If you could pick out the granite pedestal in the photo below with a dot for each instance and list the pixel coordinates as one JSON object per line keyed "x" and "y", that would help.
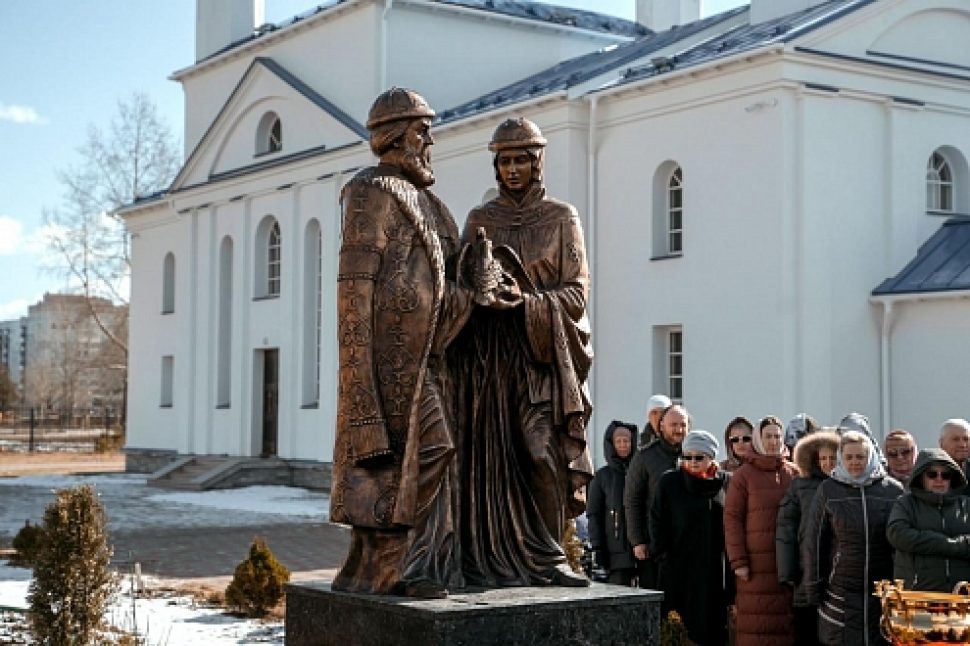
{"x": 599, "y": 614}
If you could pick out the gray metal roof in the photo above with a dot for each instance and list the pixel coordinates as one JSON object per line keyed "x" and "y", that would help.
{"x": 583, "y": 68}
{"x": 540, "y": 11}
{"x": 555, "y": 14}
{"x": 941, "y": 264}
{"x": 746, "y": 37}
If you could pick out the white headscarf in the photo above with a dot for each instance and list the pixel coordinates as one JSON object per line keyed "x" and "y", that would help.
{"x": 758, "y": 444}
{"x": 873, "y": 471}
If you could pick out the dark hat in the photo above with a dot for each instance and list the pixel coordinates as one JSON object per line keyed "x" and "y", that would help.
{"x": 700, "y": 441}
{"x": 395, "y": 104}
{"x": 516, "y": 133}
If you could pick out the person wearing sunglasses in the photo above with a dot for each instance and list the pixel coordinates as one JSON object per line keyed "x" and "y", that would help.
{"x": 930, "y": 526}
{"x": 900, "y": 450}
{"x": 763, "y": 605}
{"x": 687, "y": 540}
{"x": 737, "y": 442}
{"x": 815, "y": 456}
{"x": 845, "y": 548}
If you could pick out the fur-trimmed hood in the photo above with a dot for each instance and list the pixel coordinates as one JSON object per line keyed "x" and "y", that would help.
{"x": 806, "y": 451}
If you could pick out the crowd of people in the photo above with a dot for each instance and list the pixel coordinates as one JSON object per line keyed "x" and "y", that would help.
{"x": 781, "y": 542}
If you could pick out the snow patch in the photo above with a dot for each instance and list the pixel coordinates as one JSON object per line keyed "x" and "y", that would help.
{"x": 285, "y": 501}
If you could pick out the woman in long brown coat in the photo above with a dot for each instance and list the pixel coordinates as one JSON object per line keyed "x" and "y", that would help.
{"x": 764, "y": 606}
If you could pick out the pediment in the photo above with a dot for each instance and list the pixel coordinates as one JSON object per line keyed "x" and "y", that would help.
{"x": 237, "y": 137}
{"x": 930, "y": 34}
{"x": 935, "y": 36}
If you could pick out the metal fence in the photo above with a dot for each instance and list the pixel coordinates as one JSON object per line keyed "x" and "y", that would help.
{"x": 36, "y": 429}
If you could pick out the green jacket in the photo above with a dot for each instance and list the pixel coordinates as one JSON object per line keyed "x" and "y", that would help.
{"x": 931, "y": 531}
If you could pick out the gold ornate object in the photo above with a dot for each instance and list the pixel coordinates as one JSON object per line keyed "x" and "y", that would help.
{"x": 925, "y": 618}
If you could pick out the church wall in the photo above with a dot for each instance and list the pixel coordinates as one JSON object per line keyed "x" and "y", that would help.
{"x": 930, "y": 366}
{"x": 726, "y": 290}
{"x": 153, "y": 335}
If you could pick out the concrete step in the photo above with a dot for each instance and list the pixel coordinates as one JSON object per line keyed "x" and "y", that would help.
{"x": 190, "y": 474}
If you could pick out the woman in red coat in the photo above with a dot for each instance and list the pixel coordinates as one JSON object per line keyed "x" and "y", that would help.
{"x": 764, "y": 606}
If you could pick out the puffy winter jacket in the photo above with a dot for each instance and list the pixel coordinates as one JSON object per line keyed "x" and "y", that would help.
{"x": 931, "y": 531}
{"x": 794, "y": 507}
{"x": 604, "y": 507}
{"x": 844, "y": 552}
{"x": 764, "y": 606}
{"x": 641, "y": 483}
{"x": 687, "y": 538}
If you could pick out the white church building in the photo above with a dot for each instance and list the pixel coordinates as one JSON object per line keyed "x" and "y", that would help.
{"x": 776, "y": 201}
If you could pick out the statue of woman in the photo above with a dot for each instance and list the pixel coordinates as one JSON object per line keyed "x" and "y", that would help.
{"x": 520, "y": 366}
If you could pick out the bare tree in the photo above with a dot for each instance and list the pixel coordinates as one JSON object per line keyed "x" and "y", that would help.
{"x": 136, "y": 157}
{"x": 8, "y": 390}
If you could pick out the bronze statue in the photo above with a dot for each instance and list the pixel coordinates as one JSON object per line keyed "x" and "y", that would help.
{"x": 520, "y": 367}
{"x": 394, "y": 468}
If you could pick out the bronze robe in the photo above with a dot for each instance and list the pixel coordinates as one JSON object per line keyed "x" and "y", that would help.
{"x": 393, "y": 456}
{"x": 523, "y": 403}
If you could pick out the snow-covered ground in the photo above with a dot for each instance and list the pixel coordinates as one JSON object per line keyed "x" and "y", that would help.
{"x": 171, "y": 621}
{"x": 161, "y": 619}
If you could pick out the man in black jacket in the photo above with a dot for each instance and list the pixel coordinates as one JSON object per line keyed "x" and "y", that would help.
{"x": 641, "y": 482}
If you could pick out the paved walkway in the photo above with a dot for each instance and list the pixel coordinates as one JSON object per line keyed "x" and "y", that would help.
{"x": 198, "y": 552}
{"x": 190, "y": 535}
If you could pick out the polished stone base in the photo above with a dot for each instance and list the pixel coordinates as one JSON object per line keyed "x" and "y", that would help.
{"x": 599, "y": 614}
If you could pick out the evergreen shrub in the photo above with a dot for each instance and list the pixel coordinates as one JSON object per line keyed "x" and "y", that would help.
{"x": 72, "y": 583}
{"x": 258, "y": 582}
{"x": 26, "y": 543}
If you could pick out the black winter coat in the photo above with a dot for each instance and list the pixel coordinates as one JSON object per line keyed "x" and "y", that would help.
{"x": 604, "y": 508}
{"x": 931, "y": 531}
{"x": 793, "y": 511}
{"x": 687, "y": 540}
{"x": 848, "y": 522}
{"x": 641, "y": 482}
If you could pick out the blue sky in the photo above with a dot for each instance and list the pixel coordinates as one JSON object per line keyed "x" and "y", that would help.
{"x": 65, "y": 66}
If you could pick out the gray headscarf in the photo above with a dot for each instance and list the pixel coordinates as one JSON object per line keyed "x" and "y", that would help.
{"x": 874, "y": 469}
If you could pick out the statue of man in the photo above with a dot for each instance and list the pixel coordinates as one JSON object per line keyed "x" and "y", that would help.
{"x": 393, "y": 473}
{"x": 521, "y": 365}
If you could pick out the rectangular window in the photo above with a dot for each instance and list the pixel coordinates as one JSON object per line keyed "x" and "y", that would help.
{"x": 168, "y": 377}
{"x": 668, "y": 361}
{"x": 675, "y": 364}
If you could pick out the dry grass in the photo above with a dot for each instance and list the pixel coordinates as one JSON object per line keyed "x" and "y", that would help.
{"x": 23, "y": 464}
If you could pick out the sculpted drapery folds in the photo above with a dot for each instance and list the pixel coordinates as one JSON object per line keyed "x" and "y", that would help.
{"x": 394, "y": 470}
{"x": 521, "y": 364}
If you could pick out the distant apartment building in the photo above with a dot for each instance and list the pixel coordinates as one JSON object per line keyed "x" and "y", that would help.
{"x": 67, "y": 359}
{"x": 12, "y": 348}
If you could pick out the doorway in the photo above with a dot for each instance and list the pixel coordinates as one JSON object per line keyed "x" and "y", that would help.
{"x": 271, "y": 384}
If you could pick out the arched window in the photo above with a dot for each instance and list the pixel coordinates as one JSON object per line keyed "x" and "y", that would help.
{"x": 269, "y": 249}
{"x": 668, "y": 210}
{"x": 939, "y": 183}
{"x": 269, "y": 134}
{"x": 273, "y": 261}
{"x": 168, "y": 283}
{"x": 675, "y": 212}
